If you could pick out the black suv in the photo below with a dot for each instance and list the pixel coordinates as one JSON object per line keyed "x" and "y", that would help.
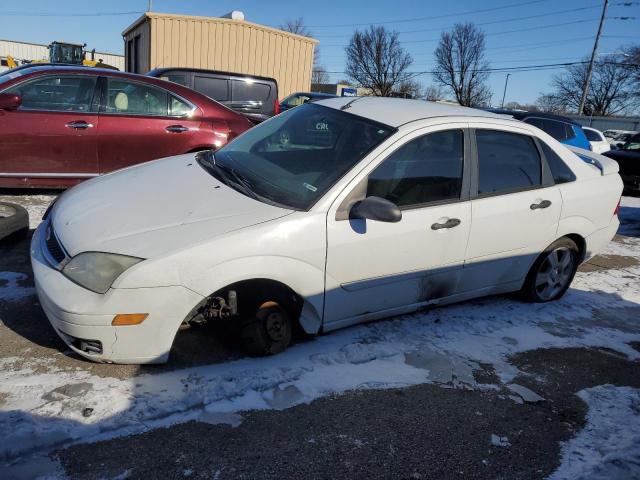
{"x": 254, "y": 97}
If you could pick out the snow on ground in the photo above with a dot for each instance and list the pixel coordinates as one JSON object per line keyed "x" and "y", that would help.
{"x": 609, "y": 445}
{"x": 46, "y": 410}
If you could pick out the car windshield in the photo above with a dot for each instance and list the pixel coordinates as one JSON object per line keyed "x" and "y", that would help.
{"x": 294, "y": 158}
{"x": 633, "y": 145}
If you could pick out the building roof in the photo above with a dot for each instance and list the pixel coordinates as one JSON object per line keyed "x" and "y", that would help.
{"x": 398, "y": 111}
{"x": 148, "y": 15}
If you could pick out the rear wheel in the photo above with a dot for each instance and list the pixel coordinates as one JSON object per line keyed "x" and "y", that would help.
{"x": 269, "y": 330}
{"x": 553, "y": 272}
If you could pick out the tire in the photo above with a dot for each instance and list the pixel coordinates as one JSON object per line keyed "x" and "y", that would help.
{"x": 553, "y": 271}
{"x": 268, "y": 331}
{"x": 13, "y": 218}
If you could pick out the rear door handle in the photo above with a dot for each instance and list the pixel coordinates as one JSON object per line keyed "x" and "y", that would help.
{"x": 542, "y": 204}
{"x": 452, "y": 222}
{"x": 79, "y": 125}
{"x": 176, "y": 129}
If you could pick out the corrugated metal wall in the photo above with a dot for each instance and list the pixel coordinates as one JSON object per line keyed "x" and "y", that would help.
{"x": 607, "y": 123}
{"x": 228, "y": 45}
{"x": 35, "y": 51}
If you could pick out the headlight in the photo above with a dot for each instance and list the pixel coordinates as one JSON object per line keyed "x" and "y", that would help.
{"x": 97, "y": 271}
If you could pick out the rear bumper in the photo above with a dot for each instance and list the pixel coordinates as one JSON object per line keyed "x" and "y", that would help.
{"x": 598, "y": 240}
{"x": 83, "y": 318}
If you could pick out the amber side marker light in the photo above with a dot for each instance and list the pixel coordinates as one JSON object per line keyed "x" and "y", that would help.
{"x": 129, "y": 319}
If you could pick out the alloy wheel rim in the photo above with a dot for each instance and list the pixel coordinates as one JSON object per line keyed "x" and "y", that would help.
{"x": 554, "y": 273}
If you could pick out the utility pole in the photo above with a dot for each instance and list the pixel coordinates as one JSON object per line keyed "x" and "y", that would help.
{"x": 150, "y": 6}
{"x": 593, "y": 57}
{"x": 506, "y": 81}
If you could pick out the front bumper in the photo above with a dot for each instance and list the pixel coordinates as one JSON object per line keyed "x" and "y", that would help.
{"x": 79, "y": 315}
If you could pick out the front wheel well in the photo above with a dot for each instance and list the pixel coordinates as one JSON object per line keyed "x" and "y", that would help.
{"x": 250, "y": 293}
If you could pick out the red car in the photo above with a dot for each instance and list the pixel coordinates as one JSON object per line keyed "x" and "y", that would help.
{"x": 62, "y": 125}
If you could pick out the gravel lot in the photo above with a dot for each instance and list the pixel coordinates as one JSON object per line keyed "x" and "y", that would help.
{"x": 492, "y": 388}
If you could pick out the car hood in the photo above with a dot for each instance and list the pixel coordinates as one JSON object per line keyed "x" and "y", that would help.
{"x": 153, "y": 209}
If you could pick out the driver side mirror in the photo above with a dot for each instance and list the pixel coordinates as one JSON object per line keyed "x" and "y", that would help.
{"x": 10, "y": 101}
{"x": 376, "y": 208}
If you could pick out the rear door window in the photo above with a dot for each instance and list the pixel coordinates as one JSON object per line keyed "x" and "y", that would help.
{"x": 213, "y": 87}
{"x": 507, "y": 162}
{"x": 248, "y": 91}
{"x": 132, "y": 98}
{"x": 71, "y": 93}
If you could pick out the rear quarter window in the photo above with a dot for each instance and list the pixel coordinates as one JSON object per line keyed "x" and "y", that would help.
{"x": 560, "y": 171}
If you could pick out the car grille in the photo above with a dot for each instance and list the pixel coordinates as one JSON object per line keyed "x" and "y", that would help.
{"x": 53, "y": 246}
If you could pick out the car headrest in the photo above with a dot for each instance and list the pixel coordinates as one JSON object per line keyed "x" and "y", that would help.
{"x": 121, "y": 101}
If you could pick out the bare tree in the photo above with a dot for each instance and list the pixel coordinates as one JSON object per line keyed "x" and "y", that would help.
{"x": 376, "y": 60}
{"x": 410, "y": 89}
{"x": 632, "y": 61}
{"x": 433, "y": 93}
{"x": 462, "y": 66}
{"x": 610, "y": 90}
{"x": 297, "y": 26}
{"x": 319, "y": 75}
{"x": 549, "y": 103}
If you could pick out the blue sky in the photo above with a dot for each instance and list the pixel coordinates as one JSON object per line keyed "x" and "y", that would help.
{"x": 555, "y": 31}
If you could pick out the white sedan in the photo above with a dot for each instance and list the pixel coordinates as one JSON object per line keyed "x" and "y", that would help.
{"x": 331, "y": 214}
{"x": 597, "y": 140}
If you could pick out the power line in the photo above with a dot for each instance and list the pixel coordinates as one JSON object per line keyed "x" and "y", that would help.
{"x": 52, "y": 14}
{"x": 522, "y": 68}
{"x": 490, "y": 34}
{"x": 480, "y": 24}
{"x": 432, "y": 17}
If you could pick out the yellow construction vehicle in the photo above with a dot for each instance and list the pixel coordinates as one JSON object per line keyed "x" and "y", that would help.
{"x": 59, "y": 53}
{"x": 8, "y": 62}
{"x": 74, "y": 54}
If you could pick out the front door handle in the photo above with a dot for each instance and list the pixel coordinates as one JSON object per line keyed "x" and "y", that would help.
{"x": 542, "y": 204}
{"x": 79, "y": 125}
{"x": 176, "y": 129}
{"x": 452, "y": 222}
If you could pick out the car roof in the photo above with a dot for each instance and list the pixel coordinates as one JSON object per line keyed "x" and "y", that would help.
{"x": 161, "y": 70}
{"x": 398, "y": 111}
{"x": 522, "y": 114}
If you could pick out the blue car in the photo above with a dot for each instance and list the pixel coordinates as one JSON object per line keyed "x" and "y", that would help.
{"x": 563, "y": 129}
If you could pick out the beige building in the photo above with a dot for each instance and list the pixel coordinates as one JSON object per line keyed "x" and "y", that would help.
{"x": 226, "y": 44}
